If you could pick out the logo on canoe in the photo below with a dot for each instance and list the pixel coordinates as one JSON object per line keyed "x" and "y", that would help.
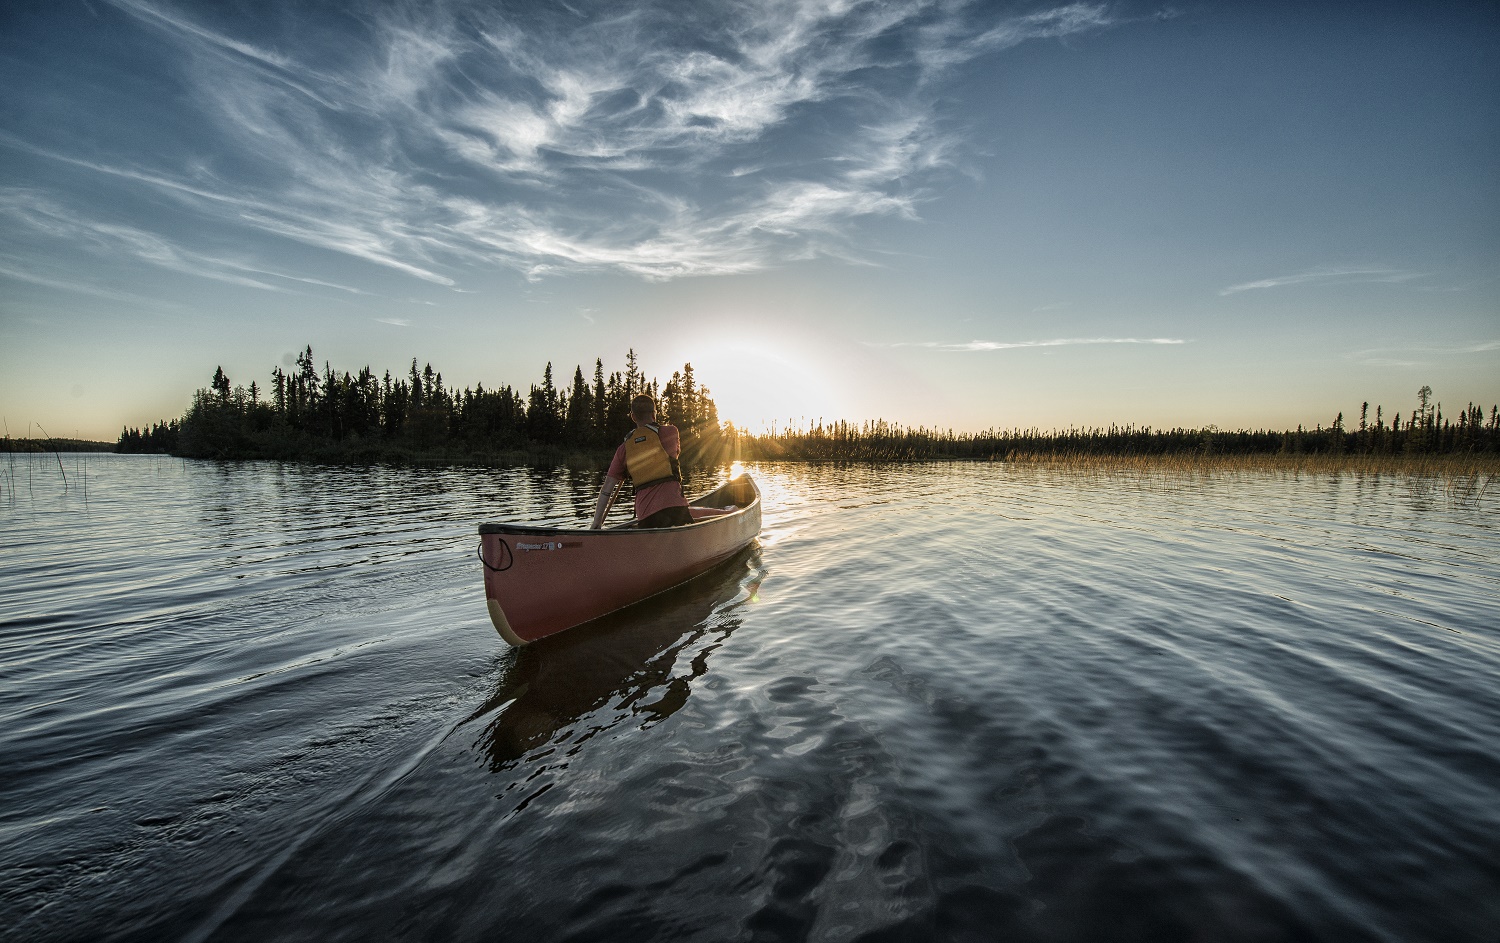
{"x": 551, "y": 545}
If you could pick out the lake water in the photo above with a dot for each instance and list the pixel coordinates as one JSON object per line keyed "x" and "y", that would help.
{"x": 257, "y": 701}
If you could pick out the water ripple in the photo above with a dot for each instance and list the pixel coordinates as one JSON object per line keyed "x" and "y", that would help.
{"x": 248, "y": 701}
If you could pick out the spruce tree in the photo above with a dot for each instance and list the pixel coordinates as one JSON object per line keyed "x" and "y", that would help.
{"x": 601, "y": 405}
{"x": 580, "y": 411}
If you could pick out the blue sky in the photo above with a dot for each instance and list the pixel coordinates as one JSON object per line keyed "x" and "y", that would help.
{"x": 958, "y": 214}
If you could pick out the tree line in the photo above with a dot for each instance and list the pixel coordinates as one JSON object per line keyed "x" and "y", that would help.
{"x": 1426, "y": 430}
{"x": 356, "y": 416}
{"x": 29, "y": 444}
{"x": 333, "y": 415}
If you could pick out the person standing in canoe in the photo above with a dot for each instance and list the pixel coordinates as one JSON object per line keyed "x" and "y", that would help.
{"x": 649, "y": 458}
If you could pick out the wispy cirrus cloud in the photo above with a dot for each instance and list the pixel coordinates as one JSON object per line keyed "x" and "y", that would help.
{"x": 272, "y": 65}
{"x": 26, "y": 272}
{"x": 24, "y": 209}
{"x": 216, "y": 199}
{"x": 946, "y": 43}
{"x": 1017, "y": 345}
{"x": 652, "y": 139}
{"x": 1326, "y": 276}
{"x": 1412, "y": 355}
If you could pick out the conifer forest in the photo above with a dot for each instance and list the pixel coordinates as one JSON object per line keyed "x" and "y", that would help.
{"x": 359, "y": 416}
{"x": 343, "y": 416}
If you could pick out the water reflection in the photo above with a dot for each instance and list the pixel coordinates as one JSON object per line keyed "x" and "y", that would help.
{"x": 635, "y": 666}
{"x": 985, "y": 699}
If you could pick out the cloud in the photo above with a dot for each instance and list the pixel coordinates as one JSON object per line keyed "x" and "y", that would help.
{"x": 1381, "y": 356}
{"x": 947, "y": 43}
{"x": 28, "y": 210}
{"x": 1015, "y": 345}
{"x": 656, "y": 140}
{"x": 211, "y": 198}
{"x": 43, "y": 218}
{"x": 309, "y": 281}
{"x": 274, "y": 66}
{"x": 1326, "y": 276}
{"x": 21, "y": 273}
{"x": 166, "y": 19}
{"x": 395, "y": 322}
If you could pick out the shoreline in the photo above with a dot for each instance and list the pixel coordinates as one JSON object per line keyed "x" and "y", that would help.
{"x": 9, "y": 445}
{"x": 1448, "y": 465}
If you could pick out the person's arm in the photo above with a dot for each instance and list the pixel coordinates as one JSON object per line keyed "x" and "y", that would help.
{"x": 606, "y": 498}
{"x": 671, "y": 441}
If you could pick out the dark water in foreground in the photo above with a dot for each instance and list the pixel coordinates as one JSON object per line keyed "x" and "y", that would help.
{"x": 253, "y": 701}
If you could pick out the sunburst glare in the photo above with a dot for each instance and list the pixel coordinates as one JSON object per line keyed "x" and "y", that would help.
{"x": 757, "y": 387}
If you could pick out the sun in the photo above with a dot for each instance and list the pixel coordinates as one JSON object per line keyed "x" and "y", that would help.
{"x": 756, "y": 386}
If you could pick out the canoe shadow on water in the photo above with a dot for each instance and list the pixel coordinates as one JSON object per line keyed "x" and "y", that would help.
{"x": 636, "y": 665}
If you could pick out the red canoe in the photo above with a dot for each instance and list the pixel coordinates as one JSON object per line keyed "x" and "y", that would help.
{"x": 541, "y": 580}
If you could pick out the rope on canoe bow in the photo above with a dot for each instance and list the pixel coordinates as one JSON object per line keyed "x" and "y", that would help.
{"x": 510, "y": 558}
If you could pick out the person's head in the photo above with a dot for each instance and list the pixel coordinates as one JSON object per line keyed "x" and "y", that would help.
{"x": 643, "y": 409}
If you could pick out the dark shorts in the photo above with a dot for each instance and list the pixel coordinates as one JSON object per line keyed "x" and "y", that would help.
{"x": 668, "y": 517}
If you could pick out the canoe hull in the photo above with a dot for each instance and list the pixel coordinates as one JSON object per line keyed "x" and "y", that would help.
{"x": 540, "y": 581}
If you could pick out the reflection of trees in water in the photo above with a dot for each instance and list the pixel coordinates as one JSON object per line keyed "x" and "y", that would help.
{"x": 636, "y": 666}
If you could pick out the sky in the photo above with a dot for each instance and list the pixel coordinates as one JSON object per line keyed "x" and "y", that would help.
{"x": 955, "y": 214}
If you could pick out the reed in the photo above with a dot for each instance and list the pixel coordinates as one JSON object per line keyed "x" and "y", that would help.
{"x": 1464, "y": 480}
{"x": 11, "y": 461}
{"x": 58, "y": 455}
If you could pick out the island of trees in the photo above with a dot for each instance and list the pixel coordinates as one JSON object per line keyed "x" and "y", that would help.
{"x": 343, "y": 416}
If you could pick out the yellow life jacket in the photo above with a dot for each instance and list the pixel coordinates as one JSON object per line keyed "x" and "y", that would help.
{"x": 646, "y": 459}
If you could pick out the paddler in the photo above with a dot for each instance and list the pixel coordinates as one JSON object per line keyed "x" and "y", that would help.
{"x": 648, "y": 457}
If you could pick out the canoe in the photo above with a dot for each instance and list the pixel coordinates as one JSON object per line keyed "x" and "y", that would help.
{"x": 539, "y": 581}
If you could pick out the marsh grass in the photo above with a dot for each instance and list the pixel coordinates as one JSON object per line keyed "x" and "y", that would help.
{"x": 1462, "y": 479}
{"x": 1449, "y": 466}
